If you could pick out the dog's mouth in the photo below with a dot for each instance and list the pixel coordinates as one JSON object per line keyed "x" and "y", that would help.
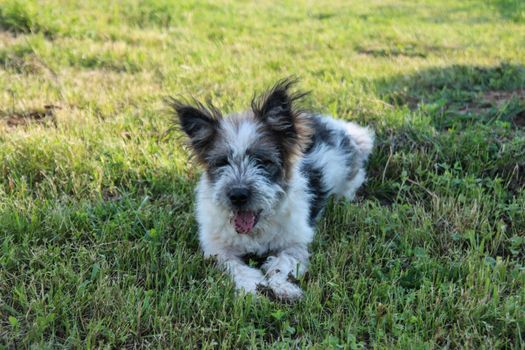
{"x": 245, "y": 220}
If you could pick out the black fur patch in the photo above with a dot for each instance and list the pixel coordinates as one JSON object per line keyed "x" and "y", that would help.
{"x": 321, "y": 134}
{"x": 319, "y": 194}
{"x": 199, "y": 122}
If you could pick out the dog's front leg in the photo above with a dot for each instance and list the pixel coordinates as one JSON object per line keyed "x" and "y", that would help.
{"x": 245, "y": 277}
{"x": 288, "y": 264}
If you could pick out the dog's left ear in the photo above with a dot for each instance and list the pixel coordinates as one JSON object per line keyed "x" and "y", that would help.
{"x": 278, "y": 110}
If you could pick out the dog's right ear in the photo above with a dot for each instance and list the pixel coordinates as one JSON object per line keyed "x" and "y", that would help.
{"x": 200, "y": 123}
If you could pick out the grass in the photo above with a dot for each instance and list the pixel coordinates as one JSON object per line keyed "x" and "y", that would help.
{"x": 98, "y": 245}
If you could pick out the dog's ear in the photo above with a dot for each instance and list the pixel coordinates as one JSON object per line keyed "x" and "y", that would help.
{"x": 200, "y": 123}
{"x": 277, "y": 109}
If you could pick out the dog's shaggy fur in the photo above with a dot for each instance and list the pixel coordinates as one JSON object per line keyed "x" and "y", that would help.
{"x": 268, "y": 174}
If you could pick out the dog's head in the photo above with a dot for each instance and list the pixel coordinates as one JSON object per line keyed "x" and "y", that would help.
{"x": 248, "y": 157}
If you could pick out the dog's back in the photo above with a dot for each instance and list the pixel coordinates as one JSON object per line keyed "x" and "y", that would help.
{"x": 333, "y": 162}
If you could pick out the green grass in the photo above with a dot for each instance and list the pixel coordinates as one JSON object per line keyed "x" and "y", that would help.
{"x": 98, "y": 245}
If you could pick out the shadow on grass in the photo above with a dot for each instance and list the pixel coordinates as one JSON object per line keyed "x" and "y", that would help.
{"x": 459, "y": 94}
{"x": 457, "y": 156}
{"x": 468, "y": 126}
{"x": 511, "y": 9}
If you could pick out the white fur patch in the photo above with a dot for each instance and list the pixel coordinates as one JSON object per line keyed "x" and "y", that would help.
{"x": 363, "y": 137}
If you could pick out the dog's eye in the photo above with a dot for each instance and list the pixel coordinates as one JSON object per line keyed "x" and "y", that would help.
{"x": 264, "y": 162}
{"x": 221, "y": 162}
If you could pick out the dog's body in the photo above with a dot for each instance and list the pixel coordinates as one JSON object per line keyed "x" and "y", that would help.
{"x": 269, "y": 172}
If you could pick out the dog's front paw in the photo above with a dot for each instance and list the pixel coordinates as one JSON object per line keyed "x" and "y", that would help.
{"x": 285, "y": 290}
{"x": 249, "y": 285}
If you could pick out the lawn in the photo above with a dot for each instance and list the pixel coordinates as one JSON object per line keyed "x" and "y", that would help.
{"x": 98, "y": 244}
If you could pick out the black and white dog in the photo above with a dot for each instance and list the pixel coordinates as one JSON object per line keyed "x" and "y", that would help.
{"x": 268, "y": 173}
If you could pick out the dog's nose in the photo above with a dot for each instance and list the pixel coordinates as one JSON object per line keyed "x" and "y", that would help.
{"x": 239, "y": 196}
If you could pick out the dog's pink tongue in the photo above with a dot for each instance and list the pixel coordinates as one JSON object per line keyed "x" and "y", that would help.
{"x": 244, "y": 221}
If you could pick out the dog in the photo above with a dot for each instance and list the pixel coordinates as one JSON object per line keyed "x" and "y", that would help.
{"x": 268, "y": 173}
